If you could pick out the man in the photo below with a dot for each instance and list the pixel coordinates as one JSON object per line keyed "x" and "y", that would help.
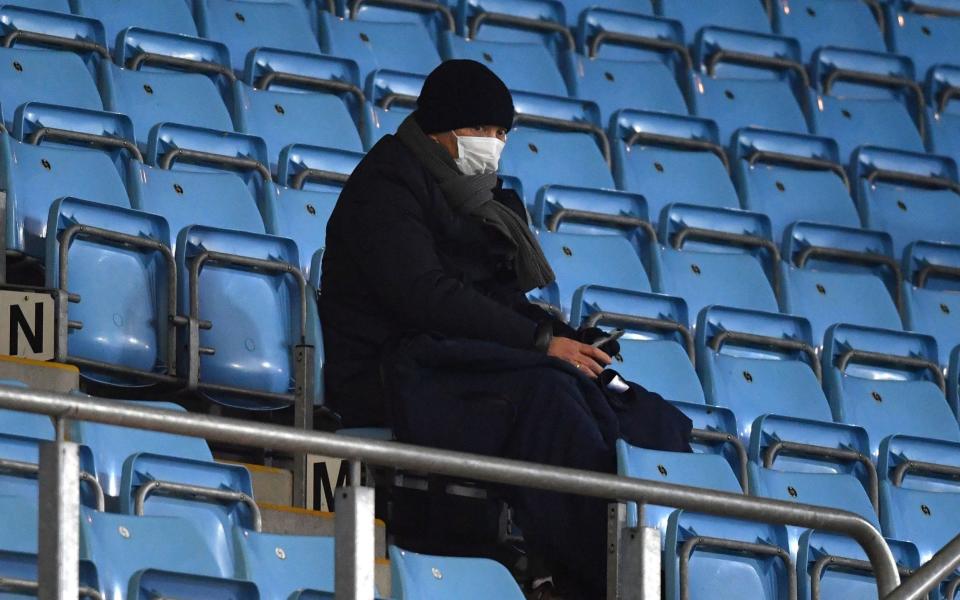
{"x": 427, "y": 327}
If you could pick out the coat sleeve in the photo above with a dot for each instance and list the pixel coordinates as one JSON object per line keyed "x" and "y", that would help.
{"x": 394, "y": 249}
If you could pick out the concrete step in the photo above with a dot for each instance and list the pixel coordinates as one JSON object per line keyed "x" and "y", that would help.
{"x": 40, "y": 375}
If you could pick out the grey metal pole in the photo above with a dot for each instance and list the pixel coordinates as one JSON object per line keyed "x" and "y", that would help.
{"x": 59, "y": 534}
{"x": 354, "y": 545}
{"x": 940, "y": 566}
{"x": 470, "y": 466}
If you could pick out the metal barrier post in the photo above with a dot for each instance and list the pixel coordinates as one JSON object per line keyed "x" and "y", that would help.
{"x": 633, "y": 558}
{"x": 354, "y": 554}
{"x": 59, "y": 535}
{"x": 302, "y": 417}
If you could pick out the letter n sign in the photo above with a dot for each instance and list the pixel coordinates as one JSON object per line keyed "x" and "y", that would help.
{"x": 27, "y": 325}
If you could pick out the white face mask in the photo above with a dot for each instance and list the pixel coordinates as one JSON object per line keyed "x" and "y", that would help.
{"x": 478, "y": 155}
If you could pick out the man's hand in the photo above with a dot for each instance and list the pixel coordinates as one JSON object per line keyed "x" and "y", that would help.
{"x": 587, "y": 359}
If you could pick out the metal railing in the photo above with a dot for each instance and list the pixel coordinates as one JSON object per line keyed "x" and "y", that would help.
{"x": 354, "y": 555}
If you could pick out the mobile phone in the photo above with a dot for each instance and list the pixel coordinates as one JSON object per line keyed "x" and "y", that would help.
{"x": 616, "y": 334}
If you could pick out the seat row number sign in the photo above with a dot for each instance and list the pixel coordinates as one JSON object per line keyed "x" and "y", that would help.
{"x": 27, "y": 327}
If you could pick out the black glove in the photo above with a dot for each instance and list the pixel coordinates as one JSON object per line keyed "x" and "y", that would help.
{"x": 588, "y": 335}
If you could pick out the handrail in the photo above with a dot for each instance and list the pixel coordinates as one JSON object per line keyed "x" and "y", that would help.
{"x": 759, "y": 60}
{"x": 54, "y": 40}
{"x": 928, "y": 181}
{"x": 799, "y": 449}
{"x": 417, "y": 5}
{"x": 927, "y": 270}
{"x": 182, "y": 490}
{"x": 106, "y": 141}
{"x": 738, "y": 239}
{"x": 766, "y": 341}
{"x": 199, "y": 156}
{"x": 681, "y": 143}
{"x": 856, "y": 257}
{"x": 927, "y": 577}
{"x": 12, "y": 584}
{"x": 720, "y": 438}
{"x": 624, "y": 320}
{"x": 642, "y": 42}
{"x": 890, "y": 81}
{"x": 522, "y": 22}
{"x": 314, "y": 83}
{"x": 878, "y": 14}
{"x": 933, "y": 11}
{"x": 469, "y": 466}
{"x": 917, "y": 466}
{"x": 196, "y": 66}
{"x": 17, "y": 467}
{"x": 792, "y": 160}
{"x": 949, "y": 93}
{"x": 828, "y": 561}
{"x": 317, "y": 175}
{"x": 891, "y": 360}
{"x": 736, "y": 546}
{"x": 589, "y": 216}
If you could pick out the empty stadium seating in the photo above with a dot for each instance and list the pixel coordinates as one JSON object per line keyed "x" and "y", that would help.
{"x": 930, "y": 293}
{"x": 816, "y": 23}
{"x": 427, "y": 577}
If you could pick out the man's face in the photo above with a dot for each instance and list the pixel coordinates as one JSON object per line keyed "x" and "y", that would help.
{"x": 448, "y": 139}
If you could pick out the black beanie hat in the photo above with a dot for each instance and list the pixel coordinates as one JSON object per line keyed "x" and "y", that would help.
{"x": 463, "y": 93}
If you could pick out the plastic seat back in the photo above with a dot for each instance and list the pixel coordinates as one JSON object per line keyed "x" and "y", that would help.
{"x": 943, "y": 111}
{"x": 151, "y": 97}
{"x": 699, "y": 265}
{"x": 36, "y": 175}
{"x": 850, "y": 102}
{"x": 51, "y": 76}
{"x": 928, "y": 39}
{"x": 32, "y": 425}
{"x": 560, "y": 153}
{"x": 523, "y": 66}
{"x": 171, "y": 16}
{"x": 791, "y": 178}
{"x": 747, "y": 15}
{"x": 391, "y": 96}
{"x": 575, "y": 259}
{"x": 142, "y": 557}
{"x": 911, "y": 196}
{"x": 283, "y": 564}
{"x": 316, "y": 169}
{"x": 669, "y": 159}
{"x": 112, "y": 445}
{"x": 886, "y": 382}
{"x": 426, "y": 577}
{"x": 816, "y": 23}
{"x": 749, "y": 92}
{"x": 302, "y": 216}
{"x": 630, "y": 74}
{"x": 575, "y": 8}
{"x": 404, "y": 47}
{"x": 243, "y": 25}
{"x": 931, "y": 293}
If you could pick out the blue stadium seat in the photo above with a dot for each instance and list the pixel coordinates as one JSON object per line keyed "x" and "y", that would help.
{"x": 316, "y": 169}
{"x": 151, "y": 97}
{"x": 791, "y": 177}
{"x": 125, "y": 333}
{"x": 111, "y": 446}
{"x": 717, "y": 256}
{"x": 657, "y": 350}
{"x": 745, "y": 79}
{"x": 538, "y": 21}
{"x": 931, "y": 289}
{"x": 302, "y": 216}
{"x": 556, "y": 141}
{"x": 760, "y": 364}
{"x": 291, "y": 98}
{"x": 953, "y": 381}
{"x": 631, "y": 61}
{"x": 142, "y": 49}
{"x": 574, "y": 258}
{"x": 171, "y": 16}
{"x": 40, "y": 28}
{"x": 252, "y": 352}
{"x": 391, "y": 96}
{"x": 427, "y": 577}
{"x": 911, "y": 196}
{"x": 436, "y": 15}
{"x": 841, "y": 568}
{"x": 575, "y": 8}
{"x": 35, "y": 174}
{"x": 919, "y": 494}
{"x": 404, "y": 47}
{"x": 34, "y": 75}
{"x": 851, "y": 24}
{"x": 929, "y": 39}
{"x": 747, "y": 15}
{"x": 856, "y": 90}
{"x": 670, "y": 158}
{"x": 943, "y": 124}
{"x": 523, "y": 66}
{"x": 887, "y": 382}
{"x": 285, "y": 566}
{"x": 760, "y": 571}
{"x": 145, "y": 557}
{"x": 32, "y": 425}
{"x": 827, "y": 272}
{"x": 246, "y": 24}
{"x": 581, "y": 210}
{"x": 51, "y": 5}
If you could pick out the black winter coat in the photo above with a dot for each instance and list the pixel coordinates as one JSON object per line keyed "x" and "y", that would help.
{"x": 399, "y": 262}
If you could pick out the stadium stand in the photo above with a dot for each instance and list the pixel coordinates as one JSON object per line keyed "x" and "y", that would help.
{"x": 763, "y": 195}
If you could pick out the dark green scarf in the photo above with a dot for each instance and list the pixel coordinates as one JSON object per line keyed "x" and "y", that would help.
{"x": 473, "y": 195}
